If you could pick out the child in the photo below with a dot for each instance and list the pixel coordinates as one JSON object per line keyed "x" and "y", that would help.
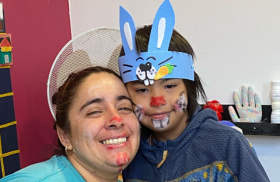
{"x": 183, "y": 142}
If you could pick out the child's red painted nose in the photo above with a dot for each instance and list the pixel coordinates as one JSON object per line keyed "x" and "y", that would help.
{"x": 157, "y": 101}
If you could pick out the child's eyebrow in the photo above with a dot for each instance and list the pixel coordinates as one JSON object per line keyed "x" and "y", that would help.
{"x": 167, "y": 79}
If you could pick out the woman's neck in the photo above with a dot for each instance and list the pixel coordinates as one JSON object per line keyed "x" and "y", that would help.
{"x": 92, "y": 176}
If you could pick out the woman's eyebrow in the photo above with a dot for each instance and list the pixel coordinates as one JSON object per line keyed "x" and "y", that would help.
{"x": 97, "y": 100}
{"x": 122, "y": 97}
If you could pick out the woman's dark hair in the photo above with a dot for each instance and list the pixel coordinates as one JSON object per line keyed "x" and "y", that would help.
{"x": 63, "y": 98}
{"x": 179, "y": 44}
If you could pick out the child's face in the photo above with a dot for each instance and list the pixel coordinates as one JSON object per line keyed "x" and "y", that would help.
{"x": 162, "y": 107}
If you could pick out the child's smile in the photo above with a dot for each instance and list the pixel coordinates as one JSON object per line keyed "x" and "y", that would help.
{"x": 160, "y": 120}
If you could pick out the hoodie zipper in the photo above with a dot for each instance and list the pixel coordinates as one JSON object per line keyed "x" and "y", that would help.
{"x": 164, "y": 157}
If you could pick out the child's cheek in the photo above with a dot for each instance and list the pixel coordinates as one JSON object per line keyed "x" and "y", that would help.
{"x": 139, "y": 112}
{"x": 181, "y": 103}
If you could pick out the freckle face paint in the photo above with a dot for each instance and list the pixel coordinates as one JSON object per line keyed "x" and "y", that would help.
{"x": 181, "y": 103}
{"x": 139, "y": 112}
{"x": 117, "y": 119}
{"x": 157, "y": 101}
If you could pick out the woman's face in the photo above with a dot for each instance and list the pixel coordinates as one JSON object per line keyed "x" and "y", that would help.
{"x": 104, "y": 132}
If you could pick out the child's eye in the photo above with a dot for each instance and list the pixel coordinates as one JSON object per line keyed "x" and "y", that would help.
{"x": 170, "y": 86}
{"x": 142, "y": 90}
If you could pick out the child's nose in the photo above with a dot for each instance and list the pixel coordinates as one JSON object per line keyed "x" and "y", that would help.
{"x": 157, "y": 101}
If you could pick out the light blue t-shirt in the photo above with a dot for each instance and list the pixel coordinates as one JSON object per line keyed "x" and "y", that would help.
{"x": 57, "y": 168}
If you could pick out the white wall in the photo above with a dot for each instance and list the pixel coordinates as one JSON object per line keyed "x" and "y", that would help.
{"x": 236, "y": 42}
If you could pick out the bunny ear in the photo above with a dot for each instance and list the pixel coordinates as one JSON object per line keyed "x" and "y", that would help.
{"x": 162, "y": 28}
{"x": 127, "y": 28}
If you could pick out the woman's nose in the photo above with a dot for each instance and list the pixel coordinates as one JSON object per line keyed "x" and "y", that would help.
{"x": 157, "y": 101}
{"x": 114, "y": 123}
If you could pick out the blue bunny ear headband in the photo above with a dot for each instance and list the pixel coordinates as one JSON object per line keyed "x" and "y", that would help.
{"x": 158, "y": 62}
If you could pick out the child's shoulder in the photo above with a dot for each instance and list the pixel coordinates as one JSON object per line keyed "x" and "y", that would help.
{"x": 213, "y": 128}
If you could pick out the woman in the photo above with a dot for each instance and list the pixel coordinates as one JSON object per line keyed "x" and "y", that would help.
{"x": 95, "y": 125}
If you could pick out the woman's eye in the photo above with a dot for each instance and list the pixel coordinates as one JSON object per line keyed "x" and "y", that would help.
{"x": 170, "y": 86}
{"x": 93, "y": 113}
{"x": 125, "y": 110}
{"x": 141, "y": 90}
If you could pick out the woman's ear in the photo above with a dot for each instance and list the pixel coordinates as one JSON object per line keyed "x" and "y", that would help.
{"x": 64, "y": 137}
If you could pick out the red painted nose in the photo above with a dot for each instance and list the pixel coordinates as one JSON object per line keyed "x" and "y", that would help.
{"x": 157, "y": 101}
{"x": 117, "y": 119}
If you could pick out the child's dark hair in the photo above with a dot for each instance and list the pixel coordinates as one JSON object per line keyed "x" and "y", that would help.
{"x": 179, "y": 44}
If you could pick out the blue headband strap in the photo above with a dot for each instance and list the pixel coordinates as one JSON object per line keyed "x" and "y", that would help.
{"x": 148, "y": 64}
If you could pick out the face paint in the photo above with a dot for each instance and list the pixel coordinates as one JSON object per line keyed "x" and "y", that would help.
{"x": 90, "y": 135}
{"x": 87, "y": 135}
{"x": 161, "y": 123}
{"x": 91, "y": 90}
{"x": 157, "y": 101}
{"x": 117, "y": 119}
{"x": 122, "y": 159}
{"x": 181, "y": 103}
{"x": 139, "y": 112}
{"x": 77, "y": 148}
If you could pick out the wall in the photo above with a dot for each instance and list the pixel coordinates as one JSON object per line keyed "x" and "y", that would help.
{"x": 39, "y": 30}
{"x": 236, "y": 42}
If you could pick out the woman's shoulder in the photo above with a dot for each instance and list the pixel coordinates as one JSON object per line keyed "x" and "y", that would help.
{"x": 55, "y": 168}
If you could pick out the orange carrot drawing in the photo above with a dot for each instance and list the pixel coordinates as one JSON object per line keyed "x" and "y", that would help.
{"x": 163, "y": 71}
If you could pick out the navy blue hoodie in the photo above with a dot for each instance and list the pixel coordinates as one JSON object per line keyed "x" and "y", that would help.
{"x": 205, "y": 151}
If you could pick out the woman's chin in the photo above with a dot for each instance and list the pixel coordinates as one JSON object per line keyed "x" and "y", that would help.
{"x": 119, "y": 160}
